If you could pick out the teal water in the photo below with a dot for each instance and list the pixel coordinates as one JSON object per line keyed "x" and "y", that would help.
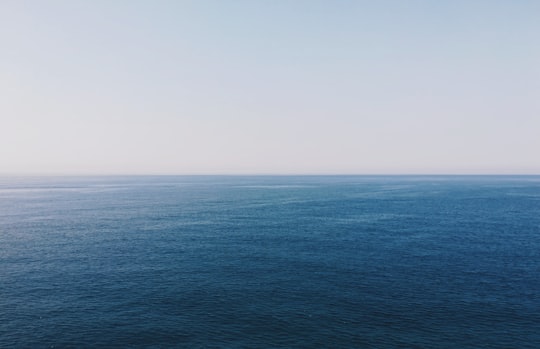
{"x": 270, "y": 262}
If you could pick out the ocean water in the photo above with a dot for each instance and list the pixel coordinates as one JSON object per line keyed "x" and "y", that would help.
{"x": 270, "y": 262}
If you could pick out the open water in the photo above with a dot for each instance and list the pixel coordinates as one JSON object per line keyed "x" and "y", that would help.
{"x": 270, "y": 262}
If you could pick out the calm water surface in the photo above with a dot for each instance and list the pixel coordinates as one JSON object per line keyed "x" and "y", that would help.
{"x": 270, "y": 262}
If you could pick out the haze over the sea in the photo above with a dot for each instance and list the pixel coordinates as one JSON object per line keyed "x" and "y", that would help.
{"x": 269, "y": 87}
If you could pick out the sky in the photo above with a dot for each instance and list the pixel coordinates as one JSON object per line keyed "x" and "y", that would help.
{"x": 269, "y": 87}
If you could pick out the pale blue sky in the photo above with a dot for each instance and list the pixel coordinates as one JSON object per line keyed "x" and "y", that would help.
{"x": 185, "y": 87}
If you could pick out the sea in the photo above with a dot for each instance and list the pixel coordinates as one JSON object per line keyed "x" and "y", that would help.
{"x": 270, "y": 262}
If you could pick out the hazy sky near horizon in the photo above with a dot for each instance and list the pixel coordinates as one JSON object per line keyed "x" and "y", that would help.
{"x": 185, "y": 87}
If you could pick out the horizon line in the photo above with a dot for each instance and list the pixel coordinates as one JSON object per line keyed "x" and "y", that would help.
{"x": 247, "y": 174}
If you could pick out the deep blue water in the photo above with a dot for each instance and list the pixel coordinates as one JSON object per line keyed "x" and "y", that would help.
{"x": 270, "y": 262}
